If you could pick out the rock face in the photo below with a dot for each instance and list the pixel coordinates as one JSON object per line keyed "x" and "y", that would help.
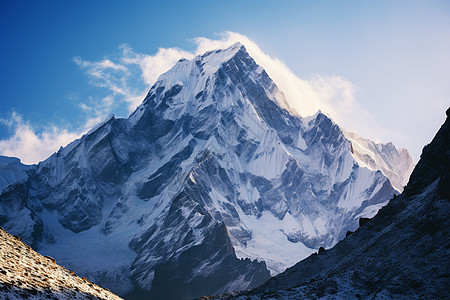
{"x": 207, "y": 186}
{"x": 402, "y": 253}
{"x": 25, "y": 274}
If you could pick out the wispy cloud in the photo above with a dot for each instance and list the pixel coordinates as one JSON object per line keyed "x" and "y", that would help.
{"x": 29, "y": 146}
{"x": 116, "y": 79}
{"x": 126, "y": 77}
{"x": 152, "y": 66}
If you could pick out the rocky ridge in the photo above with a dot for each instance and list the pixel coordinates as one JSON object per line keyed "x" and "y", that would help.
{"x": 25, "y": 274}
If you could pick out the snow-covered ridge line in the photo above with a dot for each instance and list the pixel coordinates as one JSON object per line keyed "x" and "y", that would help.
{"x": 396, "y": 164}
{"x": 12, "y": 170}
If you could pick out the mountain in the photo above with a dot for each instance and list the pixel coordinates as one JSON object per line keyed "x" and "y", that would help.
{"x": 12, "y": 171}
{"x": 207, "y": 186}
{"x": 397, "y": 165}
{"x": 25, "y": 274}
{"x": 402, "y": 253}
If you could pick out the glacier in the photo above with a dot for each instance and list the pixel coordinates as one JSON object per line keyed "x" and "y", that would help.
{"x": 208, "y": 185}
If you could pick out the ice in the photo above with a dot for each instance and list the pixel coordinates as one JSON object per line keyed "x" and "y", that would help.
{"x": 270, "y": 244}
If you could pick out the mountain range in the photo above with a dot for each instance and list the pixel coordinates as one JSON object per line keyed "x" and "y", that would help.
{"x": 209, "y": 185}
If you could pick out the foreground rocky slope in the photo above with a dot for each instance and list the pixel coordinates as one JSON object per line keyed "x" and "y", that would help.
{"x": 207, "y": 186}
{"x": 25, "y": 274}
{"x": 402, "y": 253}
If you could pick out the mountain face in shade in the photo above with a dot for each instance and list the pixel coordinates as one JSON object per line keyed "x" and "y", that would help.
{"x": 402, "y": 253}
{"x": 12, "y": 171}
{"x": 207, "y": 186}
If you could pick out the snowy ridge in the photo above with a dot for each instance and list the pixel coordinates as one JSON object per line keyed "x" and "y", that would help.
{"x": 11, "y": 171}
{"x": 397, "y": 165}
{"x": 207, "y": 186}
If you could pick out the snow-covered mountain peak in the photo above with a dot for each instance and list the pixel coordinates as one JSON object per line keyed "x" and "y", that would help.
{"x": 208, "y": 172}
{"x": 207, "y": 81}
{"x": 212, "y": 60}
{"x": 201, "y": 65}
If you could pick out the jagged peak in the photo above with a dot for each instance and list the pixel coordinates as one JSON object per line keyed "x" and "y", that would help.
{"x": 319, "y": 115}
{"x": 172, "y": 92}
{"x": 231, "y": 50}
{"x": 208, "y": 63}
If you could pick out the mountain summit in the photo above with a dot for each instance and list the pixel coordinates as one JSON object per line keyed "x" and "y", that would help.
{"x": 207, "y": 186}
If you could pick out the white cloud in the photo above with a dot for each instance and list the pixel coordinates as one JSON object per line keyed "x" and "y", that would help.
{"x": 154, "y": 65}
{"x": 128, "y": 76}
{"x": 115, "y": 78}
{"x": 29, "y": 146}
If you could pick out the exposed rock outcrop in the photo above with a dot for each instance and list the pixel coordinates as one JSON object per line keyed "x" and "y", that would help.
{"x": 25, "y": 274}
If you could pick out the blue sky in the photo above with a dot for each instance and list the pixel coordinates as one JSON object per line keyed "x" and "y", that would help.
{"x": 391, "y": 56}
